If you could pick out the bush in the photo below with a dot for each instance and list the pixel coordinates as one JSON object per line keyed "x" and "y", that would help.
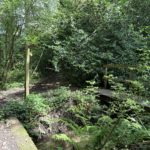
{"x": 94, "y": 34}
{"x": 58, "y": 98}
{"x": 28, "y": 111}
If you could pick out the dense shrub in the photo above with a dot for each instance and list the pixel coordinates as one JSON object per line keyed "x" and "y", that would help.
{"x": 91, "y": 36}
{"x": 28, "y": 111}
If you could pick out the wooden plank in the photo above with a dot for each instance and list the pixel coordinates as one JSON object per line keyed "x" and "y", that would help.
{"x": 143, "y": 101}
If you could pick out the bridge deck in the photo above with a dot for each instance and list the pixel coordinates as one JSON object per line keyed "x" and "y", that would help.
{"x": 13, "y": 136}
{"x": 144, "y": 101}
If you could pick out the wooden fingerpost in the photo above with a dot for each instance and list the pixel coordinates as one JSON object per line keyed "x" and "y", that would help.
{"x": 105, "y": 79}
{"x": 27, "y": 72}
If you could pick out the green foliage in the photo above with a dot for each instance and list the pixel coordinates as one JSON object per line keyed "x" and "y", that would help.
{"x": 79, "y": 43}
{"x": 117, "y": 128}
{"x": 101, "y": 135}
{"x": 28, "y": 111}
{"x": 121, "y": 126}
{"x": 95, "y": 128}
{"x": 100, "y": 40}
{"x": 22, "y": 23}
{"x": 63, "y": 137}
{"x": 138, "y": 12}
{"x": 36, "y": 104}
{"x": 94, "y": 34}
{"x": 59, "y": 97}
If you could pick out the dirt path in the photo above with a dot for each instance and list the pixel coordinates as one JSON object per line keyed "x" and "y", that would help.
{"x": 17, "y": 93}
{"x": 11, "y": 94}
{"x": 52, "y": 82}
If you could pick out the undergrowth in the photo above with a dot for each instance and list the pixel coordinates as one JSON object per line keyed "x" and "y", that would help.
{"x": 92, "y": 124}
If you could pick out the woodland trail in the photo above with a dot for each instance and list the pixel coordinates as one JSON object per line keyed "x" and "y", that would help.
{"x": 54, "y": 82}
{"x": 11, "y": 94}
{"x": 44, "y": 85}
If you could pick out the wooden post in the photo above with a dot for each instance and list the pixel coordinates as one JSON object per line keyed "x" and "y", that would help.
{"x": 105, "y": 80}
{"x": 27, "y": 74}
